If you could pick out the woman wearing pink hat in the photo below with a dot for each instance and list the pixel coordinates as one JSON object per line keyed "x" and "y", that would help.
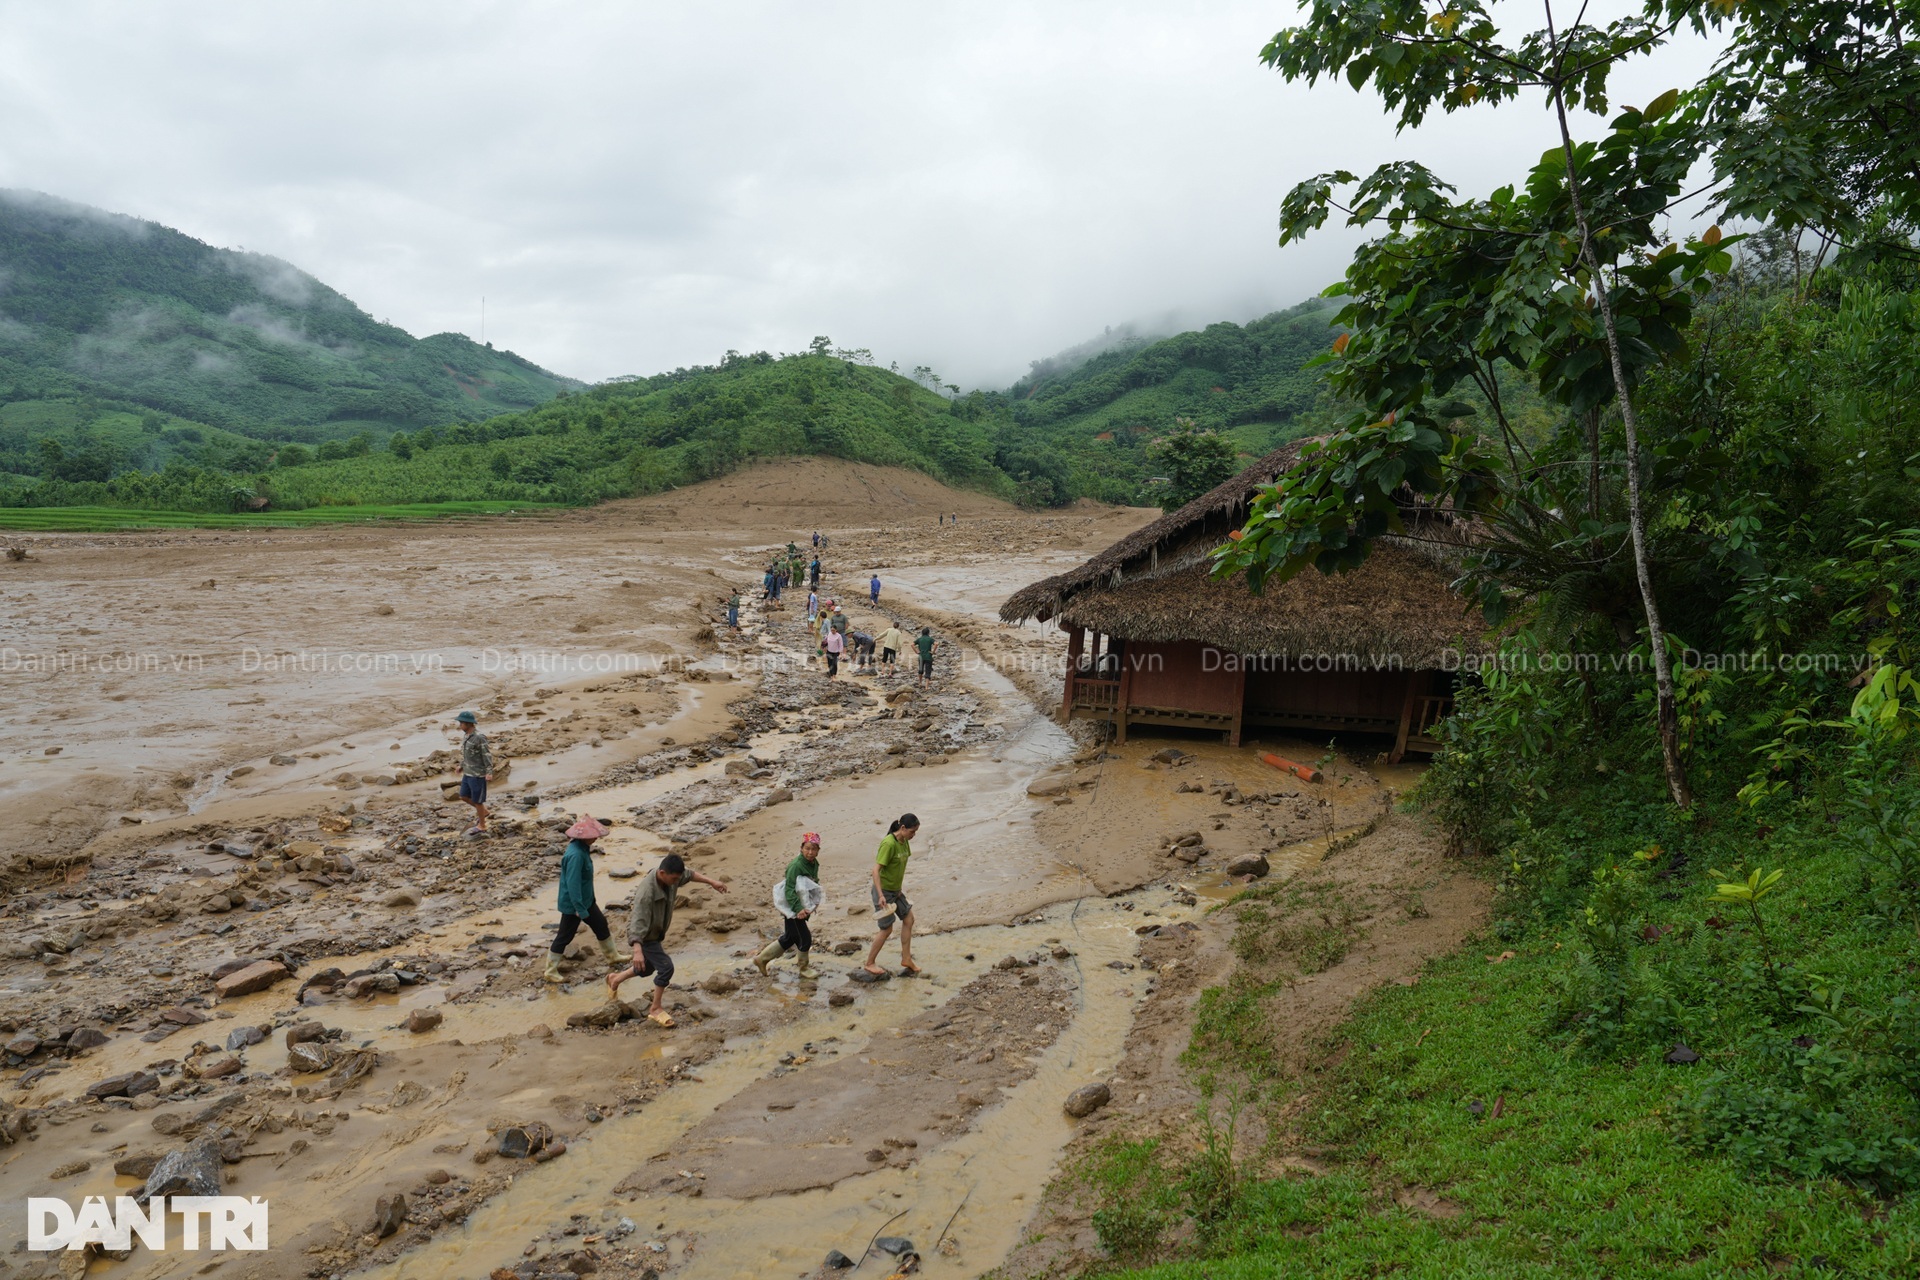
{"x": 576, "y": 898}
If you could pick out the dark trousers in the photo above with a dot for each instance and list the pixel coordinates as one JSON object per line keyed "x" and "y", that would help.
{"x": 654, "y": 960}
{"x": 833, "y": 663}
{"x": 595, "y": 920}
{"x": 798, "y": 933}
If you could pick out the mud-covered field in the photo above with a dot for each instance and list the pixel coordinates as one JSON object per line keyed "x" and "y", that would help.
{"x": 246, "y": 932}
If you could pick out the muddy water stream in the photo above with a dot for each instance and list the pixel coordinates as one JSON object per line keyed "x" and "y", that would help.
{"x": 997, "y": 1169}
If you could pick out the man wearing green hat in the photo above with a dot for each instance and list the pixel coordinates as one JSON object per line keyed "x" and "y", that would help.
{"x": 476, "y": 770}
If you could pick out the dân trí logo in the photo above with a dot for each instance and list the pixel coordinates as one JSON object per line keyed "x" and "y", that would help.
{"x": 226, "y": 1222}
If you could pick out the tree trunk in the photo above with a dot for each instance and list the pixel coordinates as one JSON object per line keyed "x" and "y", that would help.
{"x": 1669, "y": 711}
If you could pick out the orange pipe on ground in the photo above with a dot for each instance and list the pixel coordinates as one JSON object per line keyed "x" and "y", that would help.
{"x": 1306, "y": 771}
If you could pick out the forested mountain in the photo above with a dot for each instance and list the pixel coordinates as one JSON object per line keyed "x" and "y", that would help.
{"x": 142, "y": 368}
{"x": 99, "y": 307}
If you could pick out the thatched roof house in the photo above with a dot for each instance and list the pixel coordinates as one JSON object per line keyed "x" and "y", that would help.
{"x": 1362, "y": 650}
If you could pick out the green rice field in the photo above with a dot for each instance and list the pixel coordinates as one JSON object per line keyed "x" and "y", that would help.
{"x": 96, "y": 519}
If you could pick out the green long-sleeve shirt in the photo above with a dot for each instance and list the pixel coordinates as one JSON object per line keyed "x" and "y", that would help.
{"x": 790, "y": 891}
{"x": 576, "y": 879}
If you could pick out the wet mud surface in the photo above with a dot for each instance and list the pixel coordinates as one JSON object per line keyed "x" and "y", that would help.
{"x": 385, "y": 1028}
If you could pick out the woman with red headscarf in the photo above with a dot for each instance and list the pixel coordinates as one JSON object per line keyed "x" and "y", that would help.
{"x": 797, "y": 897}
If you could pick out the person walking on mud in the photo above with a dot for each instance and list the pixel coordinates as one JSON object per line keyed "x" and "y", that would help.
{"x": 891, "y": 642}
{"x": 873, "y": 591}
{"x": 797, "y": 897}
{"x": 833, "y": 644}
{"x": 813, "y": 572}
{"x": 890, "y": 905}
{"x": 577, "y": 902}
{"x": 647, "y": 922}
{"x": 733, "y": 611}
{"x": 476, "y": 770}
{"x": 924, "y": 642}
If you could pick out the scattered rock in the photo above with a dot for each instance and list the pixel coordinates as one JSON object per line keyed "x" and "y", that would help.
{"x": 370, "y": 984}
{"x": 183, "y": 1017}
{"x": 1088, "y": 1099}
{"x": 389, "y": 1215}
{"x": 554, "y": 1149}
{"x": 1007, "y": 962}
{"x": 1681, "y": 1056}
{"x": 837, "y": 1261}
{"x": 1248, "y": 864}
{"x": 283, "y": 759}
{"x": 839, "y": 999}
{"x": 720, "y": 984}
{"x": 402, "y": 898}
{"x": 302, "y": 1032}
{"x": 70, "y": 1168}
{"x": 137, "y": 1166}
{"x": 523, "y": 1140}
{"x": 779, "y": 795}
{"x": 421, "y": 1020}
{"x": 255, "y": 977}
{"x": 125, "y": 1085}
{"x": 195, "y": 1171}
{"x": 1040, "y": 788}
{"x": 86, "y": 1038}
{"x": 310, "y": 1056}
{"x": 243, "y": 1037}
{"x": 861, "y": 975}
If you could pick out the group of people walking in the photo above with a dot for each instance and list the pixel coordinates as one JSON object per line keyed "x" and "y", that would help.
{"x": 798, "y": 896}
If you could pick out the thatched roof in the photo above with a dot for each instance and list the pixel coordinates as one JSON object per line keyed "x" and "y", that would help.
{"x": 1154, "y": 585}
{"x": 1179, "y": 537}
{"x": 1395, "y": 609}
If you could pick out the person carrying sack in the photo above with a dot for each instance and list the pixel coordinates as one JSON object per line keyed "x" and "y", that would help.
{"x": 797, "y": 897}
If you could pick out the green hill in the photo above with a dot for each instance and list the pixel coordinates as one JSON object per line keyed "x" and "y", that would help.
{"x": 1248, "y": 381}
{"x": 99, "y": 307}
{"x": 141, "y": 369}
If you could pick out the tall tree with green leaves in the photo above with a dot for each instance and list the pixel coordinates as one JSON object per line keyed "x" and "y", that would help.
{"x": 1195, "y": 460}
{"x": 1566, "y": 278}
{"x": 1809, "y": 115}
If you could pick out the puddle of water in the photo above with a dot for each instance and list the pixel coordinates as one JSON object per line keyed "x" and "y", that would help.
{"x": 999, "y": 1168}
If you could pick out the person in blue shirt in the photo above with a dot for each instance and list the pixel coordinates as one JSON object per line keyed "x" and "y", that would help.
{"x": 873, "y": 588}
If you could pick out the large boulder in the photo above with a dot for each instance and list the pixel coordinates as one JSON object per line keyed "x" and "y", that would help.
{"x": 255, "y": 977}
{"x": 1088, "y": 1099}
{"x": 192, "y": 1172}
{"x": 1248, "y": 864}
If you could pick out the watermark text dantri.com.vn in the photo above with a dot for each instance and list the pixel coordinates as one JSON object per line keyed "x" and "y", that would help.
{"x": 222, "y": 1222}
{"x": 1752, "y": 662}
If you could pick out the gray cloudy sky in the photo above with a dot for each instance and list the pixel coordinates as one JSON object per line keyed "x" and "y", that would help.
{"x": 638, "y": 186}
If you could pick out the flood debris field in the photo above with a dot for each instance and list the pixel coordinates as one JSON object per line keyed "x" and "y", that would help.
{"x": 301, "y": 974}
